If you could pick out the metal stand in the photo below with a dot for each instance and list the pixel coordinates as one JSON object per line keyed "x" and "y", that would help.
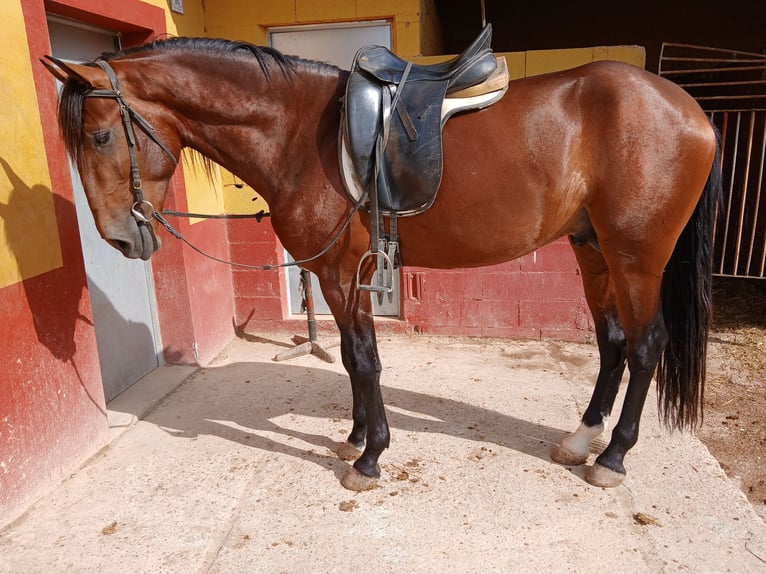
{"x": 304, "y": 346}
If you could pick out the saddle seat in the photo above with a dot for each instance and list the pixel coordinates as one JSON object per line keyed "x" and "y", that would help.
{"x": 471, "y": 67}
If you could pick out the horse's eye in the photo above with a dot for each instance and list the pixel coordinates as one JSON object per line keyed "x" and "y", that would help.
{"x": 101, "y": 138}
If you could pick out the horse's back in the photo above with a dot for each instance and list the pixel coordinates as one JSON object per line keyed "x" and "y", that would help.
{"x": 606, "y": 144}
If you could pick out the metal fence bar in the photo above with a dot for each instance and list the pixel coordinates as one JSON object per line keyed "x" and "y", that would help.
{"x": 710, "y": 49}
{"x": 728, "y": 98}
{"x": 713, "y": 84}
{"x": 756, "y": 211}
{"x": 725, "y": 233}
{"x": 706, "y": 70}
{"x": 714, "y": 60}
{"x": 743, "y": 197}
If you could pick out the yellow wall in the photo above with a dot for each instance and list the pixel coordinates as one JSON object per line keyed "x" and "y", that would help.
{"x": 534, "y": 62}
{"x": 250, "y": 21}
{"x": 29, "y": 239}
{"x": 543, "y": 61}
{"x": 430, "y": 29}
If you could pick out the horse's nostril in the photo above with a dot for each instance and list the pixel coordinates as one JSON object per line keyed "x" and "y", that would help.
{"x": 122, "y": 246}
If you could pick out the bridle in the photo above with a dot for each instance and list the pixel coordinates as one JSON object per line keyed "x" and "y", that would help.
{"x": 131, "y": 117}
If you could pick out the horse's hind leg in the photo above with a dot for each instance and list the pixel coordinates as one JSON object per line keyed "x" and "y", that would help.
{"x": 637, "y": 293}
{"x": 599, "y": 292}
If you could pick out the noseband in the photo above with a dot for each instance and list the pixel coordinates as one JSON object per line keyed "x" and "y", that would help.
{"x": 129, "y": 117}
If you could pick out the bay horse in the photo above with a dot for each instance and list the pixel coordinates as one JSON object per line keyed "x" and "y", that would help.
{"x": 621, "y": 161}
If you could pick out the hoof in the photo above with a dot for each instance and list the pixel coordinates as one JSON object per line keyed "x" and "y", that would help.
{"x": 567, "y": 457}
{"x": 358, "y": 482}
{"x": 598, "y": 475}
{"x": 574, "y": 449}
{"x": 348, "y": 452}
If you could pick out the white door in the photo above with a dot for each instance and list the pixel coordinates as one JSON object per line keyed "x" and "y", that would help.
{"x": 121, "y": 290}
{"x": 335, "y": 44}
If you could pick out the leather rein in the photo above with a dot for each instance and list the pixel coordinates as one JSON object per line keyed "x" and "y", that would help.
{"x": 130, "y": 118}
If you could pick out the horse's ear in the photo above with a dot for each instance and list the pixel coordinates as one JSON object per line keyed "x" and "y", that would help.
{"x": 88, "y": 75}
{"x": 54, "y": 70}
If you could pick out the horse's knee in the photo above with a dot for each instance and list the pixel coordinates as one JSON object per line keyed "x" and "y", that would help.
{"x": 360, "y": 358}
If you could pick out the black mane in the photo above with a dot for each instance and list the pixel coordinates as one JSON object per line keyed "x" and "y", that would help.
{"x": 262, "y": 54}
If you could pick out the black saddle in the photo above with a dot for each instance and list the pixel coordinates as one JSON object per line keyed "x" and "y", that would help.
{"x": 391, "y": 129}
{"x": 390, "y": 135}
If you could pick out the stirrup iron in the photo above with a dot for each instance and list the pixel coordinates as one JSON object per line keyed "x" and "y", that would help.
{"x": 383, "y": 277}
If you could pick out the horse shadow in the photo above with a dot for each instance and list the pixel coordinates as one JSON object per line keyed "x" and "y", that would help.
{"x": 256, "y": 403}
{"x": 38, "y": 223}
{"x": 55, "y": 310}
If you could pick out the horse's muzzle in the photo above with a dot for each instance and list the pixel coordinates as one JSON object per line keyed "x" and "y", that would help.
{"x": 141, "y": 245}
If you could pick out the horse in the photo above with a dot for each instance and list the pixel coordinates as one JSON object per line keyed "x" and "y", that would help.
{"x": 621, "y": 161}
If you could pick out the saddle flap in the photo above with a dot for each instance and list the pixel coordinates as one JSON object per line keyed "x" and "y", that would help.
{"x": 361, "y": 123}
{"x": 410, "y": 170}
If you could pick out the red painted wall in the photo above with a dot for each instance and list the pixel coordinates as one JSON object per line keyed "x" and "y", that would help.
{"x": 537, "y": 296}
{"x": 195, "y": 300}
{"x": 260, "y": 301}
{"x": 52, "y": 413}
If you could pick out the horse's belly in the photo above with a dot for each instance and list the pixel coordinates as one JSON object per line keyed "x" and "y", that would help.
{"x": 472, "y": 240}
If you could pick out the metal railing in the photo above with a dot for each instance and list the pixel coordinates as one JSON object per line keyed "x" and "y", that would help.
{"x": 731, "y": 87}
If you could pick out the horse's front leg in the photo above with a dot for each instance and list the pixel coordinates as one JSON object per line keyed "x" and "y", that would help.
{"x": 360, "y": 357}
{"x": 359, "y": 351}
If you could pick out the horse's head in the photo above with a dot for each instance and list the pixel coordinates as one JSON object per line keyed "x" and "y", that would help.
{"x": 124, "y": 151}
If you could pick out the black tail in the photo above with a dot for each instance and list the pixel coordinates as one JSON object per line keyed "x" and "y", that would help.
{"x": 686, "y": 307}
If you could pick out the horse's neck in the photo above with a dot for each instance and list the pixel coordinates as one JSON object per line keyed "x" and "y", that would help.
{"x": 260, "y": 131}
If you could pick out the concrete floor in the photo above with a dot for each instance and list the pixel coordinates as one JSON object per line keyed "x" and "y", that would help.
{"x": 234, "y": 471}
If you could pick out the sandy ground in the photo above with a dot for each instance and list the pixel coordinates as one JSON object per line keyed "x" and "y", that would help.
{"x": 234, "y": 471}
{"x": 735, "y": 391}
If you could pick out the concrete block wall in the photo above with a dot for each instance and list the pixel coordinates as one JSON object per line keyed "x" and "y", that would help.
{"x": 537, "y": 296}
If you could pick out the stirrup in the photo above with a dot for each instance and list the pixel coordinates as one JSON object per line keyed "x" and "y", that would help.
{"x": 383, "y": 278}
